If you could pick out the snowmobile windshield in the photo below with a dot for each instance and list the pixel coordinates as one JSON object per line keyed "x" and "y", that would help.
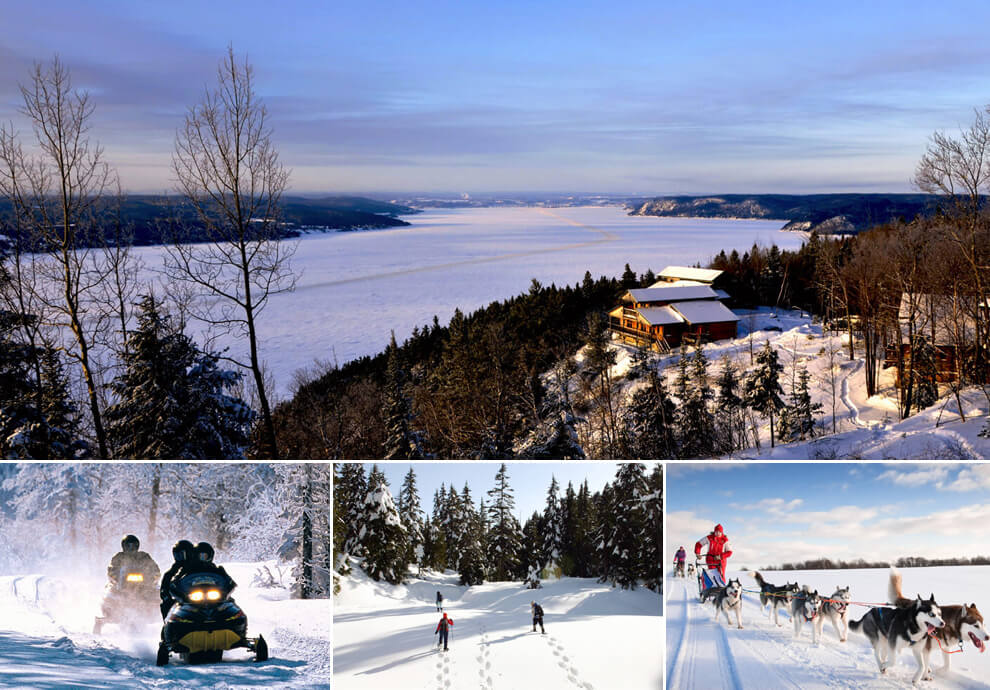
{"x": 202, "y": 589}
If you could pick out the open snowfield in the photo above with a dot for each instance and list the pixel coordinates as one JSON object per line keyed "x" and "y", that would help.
{"x": 354, "y": 287}
{"x": 597, "y": 638}
{"x": 46, "y": 640}
{"x": 705, "y": 654}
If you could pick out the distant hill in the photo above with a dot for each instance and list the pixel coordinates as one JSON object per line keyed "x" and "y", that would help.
{"x": 825, "y": 213}
{"x": 144, "y": 215}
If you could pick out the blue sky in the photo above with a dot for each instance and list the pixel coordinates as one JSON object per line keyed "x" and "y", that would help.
{"x": 630, "y": 97}
{"x": 530, "y": 481}
{"x": 779, "y": 512}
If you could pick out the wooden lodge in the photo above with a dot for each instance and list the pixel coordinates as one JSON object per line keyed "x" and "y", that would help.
{"x": 669, "y": 313}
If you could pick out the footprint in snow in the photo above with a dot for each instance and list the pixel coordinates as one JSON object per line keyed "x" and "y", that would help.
{"x": 567, "y": 658}
{"x": 556, "y": 653}
{"x": 562, "y": 664}
{"x": 488, "y": 665}
{"x": 589, "y": 686}
{"x": 440, "y": 677}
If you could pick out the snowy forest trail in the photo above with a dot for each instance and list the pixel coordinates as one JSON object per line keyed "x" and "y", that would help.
{"x": 47, "y": 641}
{"x": 703, "y": 653}
{"x": 596, "y": 637}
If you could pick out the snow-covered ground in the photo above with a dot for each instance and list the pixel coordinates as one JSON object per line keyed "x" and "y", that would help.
{"x": 704, "y": 654}
{"x": 866, "y": 427}
{"x": 354, "y": 287}
{"x": 46, "y": 640}
{"x": 597, "y": 638}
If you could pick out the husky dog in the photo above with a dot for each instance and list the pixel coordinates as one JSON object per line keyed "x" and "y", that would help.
{"x": 729, "y": 598}
{"x": 690, "y": 569}
{"x": 806, "y": 606}
{"x": 777, "y": 596}
{"x": 836, "y": 609}
{"x": 960, "y": 622}
{"x": 888, "y": 629}
{"x": 711, "y": 593}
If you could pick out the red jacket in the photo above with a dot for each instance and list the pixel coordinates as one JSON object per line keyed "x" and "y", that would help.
{"x": 443, "y": 621}
{"x": 718, "y": 549}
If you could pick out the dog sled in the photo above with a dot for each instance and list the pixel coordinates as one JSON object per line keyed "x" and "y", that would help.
{"x": 708, "y": 577}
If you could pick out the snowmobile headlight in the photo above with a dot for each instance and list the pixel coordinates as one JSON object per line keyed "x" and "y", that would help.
{"x": 213, "y": 594}
{"x": 135, "y": 577}
{"x": 196, "y": 595}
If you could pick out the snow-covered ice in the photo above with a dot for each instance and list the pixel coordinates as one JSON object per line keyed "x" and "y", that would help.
{"x": 704, "y": 654}
{"x": 46, "y": 640}
{"x": 597, "y": 637}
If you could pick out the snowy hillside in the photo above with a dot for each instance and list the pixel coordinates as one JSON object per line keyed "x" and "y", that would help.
{"x": 47, "y": 642}
{"x": 705, "y": 654}
{"x": 596, "y": 638}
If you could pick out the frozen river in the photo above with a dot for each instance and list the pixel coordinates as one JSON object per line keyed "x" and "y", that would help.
{"x": 355, "y": 287}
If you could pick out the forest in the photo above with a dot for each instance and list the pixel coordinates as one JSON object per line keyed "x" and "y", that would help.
{"x": 614, "y": 534}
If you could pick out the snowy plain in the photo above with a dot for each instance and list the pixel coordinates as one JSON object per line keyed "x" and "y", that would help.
{"x": 702, "y": 653}
{"x": 355, "y": 287}
{"x": 46, "y": 640}
{"x": 597, "y": 637}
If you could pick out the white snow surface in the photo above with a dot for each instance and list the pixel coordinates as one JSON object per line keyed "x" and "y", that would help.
{"x": 354, "y": 287}
{"x": 597, "y": 637}
{"x": 702, "y": 653}
{"x": 46, "y": 640}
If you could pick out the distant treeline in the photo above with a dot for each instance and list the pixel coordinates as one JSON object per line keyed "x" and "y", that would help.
{"x": 859, "y": 563}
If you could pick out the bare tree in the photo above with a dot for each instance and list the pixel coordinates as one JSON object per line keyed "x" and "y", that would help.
{"x": 228, "y": 168}
{"x": 59, "y": 198}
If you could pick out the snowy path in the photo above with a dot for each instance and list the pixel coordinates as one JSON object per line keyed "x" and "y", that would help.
{"x": 46, "y": 642}
{"x": 706, "y": 654}
{"x": 852, "y": 368}
{"x": 596, "y": 638}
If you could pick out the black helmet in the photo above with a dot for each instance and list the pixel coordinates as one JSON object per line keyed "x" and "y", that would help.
{"x": 129, "y": 543}
{"x": 182, "y": 550}
{"x": 204, "y": 552}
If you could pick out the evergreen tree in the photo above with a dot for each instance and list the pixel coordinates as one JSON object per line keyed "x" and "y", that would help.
{"x": 470, "y": 549}
{"x": 584, "y": 533}
{"x": 351, "y": 489}
{"x": 411, "y": 515}
{"x": 730, "y": 430}
{"x": 531, "y": 556}
{"x": 802, "y": 412}
{"x": 648, "y": 278}
{"x": 552, "y": 528}
{"x": 439, "y": 529}
{"x": 606, "y": 550}
{"x": 762, "y": 389}
{"x": 650, "y": 420}
{"x": 652, "y": 548}
{"x": 172, "y": 399}
{"x": 695, "y": 422}
{"x": 624, "y": 550}
{"x": 505, "y": 538}
{"x": 555, "y": 435}
{"x": 568, "y": 529}
{"x": 925, "y": 373}
{"x": 383, "y": 538}
{"x": 629, "y": 279}
{"x": 402, "y": 442}
{"x": 339, "y": 532}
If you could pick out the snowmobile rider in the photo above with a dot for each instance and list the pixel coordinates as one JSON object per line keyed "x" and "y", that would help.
{"x": 537, "y": 616}
{"x": 718, "y": 553}
{"x": 130, "y": 559}
{"x": 439, "y": 602}
{"x": 182, "y": 553}
{"x": 679, "y": 559}
{"x": 189, "y": 559}
{"x": 442, "y": 629}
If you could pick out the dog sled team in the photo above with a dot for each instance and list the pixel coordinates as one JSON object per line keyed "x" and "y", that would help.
{"x": 921, "y": 625}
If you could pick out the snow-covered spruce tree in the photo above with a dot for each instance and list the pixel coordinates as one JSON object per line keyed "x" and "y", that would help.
{"x": 555, "y": 436}
{"x": 584, "y": 533}
{"x": 383, "y": 538}
{"x": 606, "y": 550}
{"x": 438, "y": 556}
{"x": 304, "y": 493}
{"x": 340, "y": 567}
{"x": 568, "y": 529}
{"x": 351, "y": 489}
{"x": 630, "y": 533}
{"x": 505, "y": 537}
{"x": 172, "y": 399}
{"x": 552, "y": 528}
{"x": 530, "y": 557}
{"x": 652, "y": 549}
{"x": 452, "y": 525}
{"x": 762, "y": 388}
{"x": 412, "y": 517}
{"x": 802, "y": 411}
{"x": 695, "y": 422}
{"x": 470, "y": 545}
{"x": 730, "y": 430}
{"x": 650, "y": 420}
{"x": 925, "y": 372}
{"x": 401, "y": 441}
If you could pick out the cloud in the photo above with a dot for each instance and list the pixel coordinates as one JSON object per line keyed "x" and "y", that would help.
{"x": 772, "y": 505}
{"x": 917, "y": 475}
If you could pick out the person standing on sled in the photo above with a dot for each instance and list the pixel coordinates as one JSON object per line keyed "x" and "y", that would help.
{"x": 439, "y": 602}
{"x": 537, "y": 616}
{"x": 679, "y": 559}
{"x": 718, "y": 553}
{"x": 442, "y": 627}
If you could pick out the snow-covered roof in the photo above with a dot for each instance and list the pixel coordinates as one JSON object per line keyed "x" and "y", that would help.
{"x": 722, "y": 294}
{"x": 952, "y": 316}
{"x": 660, "y": 316}
{"x": 671, "y": 294}
{"x": 704, "y": 312}
{"x": 705, "y": 275}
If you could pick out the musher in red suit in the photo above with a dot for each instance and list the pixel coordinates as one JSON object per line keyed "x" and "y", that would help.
{"x": 717, "y": 554}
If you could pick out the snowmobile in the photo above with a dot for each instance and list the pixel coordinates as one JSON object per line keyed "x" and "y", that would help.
{"x": 205, "y": 622}
{"x": 131, "y": 602}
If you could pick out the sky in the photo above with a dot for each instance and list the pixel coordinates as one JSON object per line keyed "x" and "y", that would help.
{"x": 530, "y": 481}
{"x": 633, "y": 97}
{"x": 775, "y": 513}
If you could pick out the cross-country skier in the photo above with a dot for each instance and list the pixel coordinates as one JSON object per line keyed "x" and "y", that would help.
{"x": 537, "y": 616}
{"x": 718, "y": 553}
{"x": 439, "y": 602}
{"x": 442, "y": 627}
{"x": 679, "y": 559}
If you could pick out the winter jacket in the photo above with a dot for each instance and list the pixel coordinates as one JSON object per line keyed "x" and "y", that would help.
{"x": 718, "y": 550}
{"x": 133, "y": 561}
{"x": 537, "y": 611}
{"x": 680, "y": 556}
{"x": 442, "y": 625}
{"x": 180, "y": 570}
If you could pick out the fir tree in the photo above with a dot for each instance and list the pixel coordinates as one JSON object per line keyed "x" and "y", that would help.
{"x": 172, "y": 399}
{"x": 383, "y": 538}
{"x": 555, "y": 436}
{"x": 802, "y": 411}
{"x": 652, "y": 548}
{"x": 695, "y": 423}
{"x": 470, "y": 549}
{"x": 351, "y": 489}
{"x": 629, "y": 279}
{"x": 730, "y": 429}
{"x": 624, "y": 550}
{"x": 411, "y": 515}
{"x": 606, "y": 550}
{"x": 531, "y": 556}
{"x": 650, "y": 420}
{"x": 401, "y": 441}
{"x": 505, "y": 538}
{"x": 762, "y": 389}
{"x": 552, "y": 529}
{"x": 568, "y": 529}
{"x": 925, "y": 373}
{"x": 584, "y": 533}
